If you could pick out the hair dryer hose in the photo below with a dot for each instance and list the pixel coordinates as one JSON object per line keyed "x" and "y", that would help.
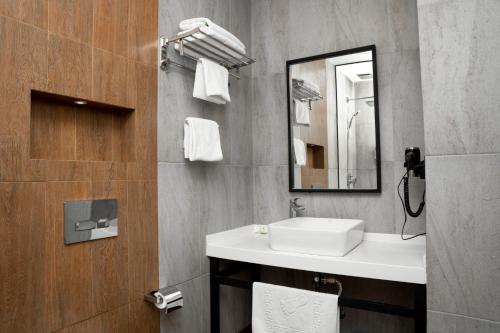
{"x": 407, "y": 200}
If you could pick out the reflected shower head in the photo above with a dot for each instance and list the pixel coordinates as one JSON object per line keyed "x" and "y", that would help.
{"x": 350, "y": 120}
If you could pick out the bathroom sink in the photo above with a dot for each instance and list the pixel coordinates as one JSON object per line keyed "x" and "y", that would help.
{"x": 312, "y": 235}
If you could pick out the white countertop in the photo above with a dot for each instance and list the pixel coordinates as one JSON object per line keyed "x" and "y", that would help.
{"x": 379, "y": 256}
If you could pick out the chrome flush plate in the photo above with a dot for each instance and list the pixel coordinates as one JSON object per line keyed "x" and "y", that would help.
{"x": 90, "y": 219}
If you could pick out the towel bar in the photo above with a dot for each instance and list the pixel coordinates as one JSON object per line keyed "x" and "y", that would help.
{"x": 319, "y": 279}
{"x": 205, "y": 47}
{"x": 220, "y": 277}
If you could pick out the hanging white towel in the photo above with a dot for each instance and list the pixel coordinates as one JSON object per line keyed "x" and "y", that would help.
{"x": 283, "y": 309}
{"x": 211, "y": 82}
{"x": 202, "y": 140}
{"x": 212, "y": 29}
{"x": 301, "y": 112}
{"x": 299, "y": 149}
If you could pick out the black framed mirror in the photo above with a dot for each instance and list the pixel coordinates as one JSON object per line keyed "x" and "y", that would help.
{"x": 333, "y": 122}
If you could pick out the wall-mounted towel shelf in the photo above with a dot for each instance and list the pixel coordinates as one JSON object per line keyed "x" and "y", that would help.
{"x": 197, "y": 43}
{"x": 304, "y": 93}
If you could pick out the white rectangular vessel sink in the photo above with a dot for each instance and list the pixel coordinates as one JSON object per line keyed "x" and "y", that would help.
{"x": 313, "y": 235}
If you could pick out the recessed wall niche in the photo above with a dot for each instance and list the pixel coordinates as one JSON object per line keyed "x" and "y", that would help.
{"x": 71, "y": 129}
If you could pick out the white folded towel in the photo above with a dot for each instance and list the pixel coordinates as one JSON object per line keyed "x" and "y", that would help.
{"x": 299, "y": 148}
{"x": 301, "y": 113}
{"x": 212, "y": 28}
{"x": 283, "y": 309}
{"x": 211, "y": 82}
{"x": 202, "y": 140}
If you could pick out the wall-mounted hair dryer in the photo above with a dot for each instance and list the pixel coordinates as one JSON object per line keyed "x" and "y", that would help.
{"x": 415, "y": 165}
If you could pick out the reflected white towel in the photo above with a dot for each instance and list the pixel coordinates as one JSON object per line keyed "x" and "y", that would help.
{"x": 202, "y": 140}
{"x": 290, "y": 310}
{"x": 211, "y": 82}
{"x": 212, "y": 28}
{"x": 301, "y": 112}
{"x": 299, "y": 149}
{"x": 313, "y": 87}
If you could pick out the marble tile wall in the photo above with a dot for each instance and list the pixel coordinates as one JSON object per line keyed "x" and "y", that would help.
{"x": 251, "y": 184}
{"x": 458, "y": 42}
{"x": 307, "y": 28}
{"x": 200, "y": 198}
{"x": 290, "y": 29}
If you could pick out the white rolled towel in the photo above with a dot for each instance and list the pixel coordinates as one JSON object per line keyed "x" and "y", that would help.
{"x": 212, "y": 28}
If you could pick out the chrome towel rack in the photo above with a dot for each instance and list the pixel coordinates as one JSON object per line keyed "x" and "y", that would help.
{"x": 197, "y": 43}
{"x": 303, "y": 93}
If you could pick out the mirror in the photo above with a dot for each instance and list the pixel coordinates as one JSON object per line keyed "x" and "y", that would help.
{"x": 333, "y": 124}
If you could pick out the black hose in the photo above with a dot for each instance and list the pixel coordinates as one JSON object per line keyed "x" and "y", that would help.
{"x": 404, "y": 211}
{"x": 407, "y": 200}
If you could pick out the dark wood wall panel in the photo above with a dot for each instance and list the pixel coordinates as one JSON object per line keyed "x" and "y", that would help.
{"x": 71, "y": 278}
{"x": 98, "y": 50}
{"x": 109, "y": 73}
{"x": 24, "y": 258}
{"x": 33, "y": 12}
{"x": 71, "y": 19}
{"x": 63, "y": 131}
{"x": 111, "y": 26}
{"x": 143, "y": 31}
{"x": 143, "y": 265}
{"x": 142, "y": 95}
{"x": 70, "y": 67}
{"x": 53, "y": 128}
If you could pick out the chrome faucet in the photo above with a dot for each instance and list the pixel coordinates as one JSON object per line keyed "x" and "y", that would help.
{"x": 351, "y": 180}
{"x": 295, "y": 207}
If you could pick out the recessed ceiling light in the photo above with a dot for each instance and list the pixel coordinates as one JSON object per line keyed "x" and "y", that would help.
{"x": 81, "y": 102}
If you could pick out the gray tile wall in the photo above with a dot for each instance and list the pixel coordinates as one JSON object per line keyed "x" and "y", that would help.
{"x": 200, "y": 198}
{"x": 289, "y": 29}
{"x": 251, "y": 184}
{"x": 459, "y": 45}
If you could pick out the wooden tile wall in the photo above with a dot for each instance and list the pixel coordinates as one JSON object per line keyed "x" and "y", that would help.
{"x": 99, "y": 50}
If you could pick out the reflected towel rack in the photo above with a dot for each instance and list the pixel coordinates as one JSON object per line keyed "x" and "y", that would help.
{"x": 199, "y": 44}
{"x": 303, "y": 93}
{"x": 347, "y": 99}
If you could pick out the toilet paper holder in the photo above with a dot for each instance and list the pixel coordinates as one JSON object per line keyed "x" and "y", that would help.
{"x": 169, "y": 299}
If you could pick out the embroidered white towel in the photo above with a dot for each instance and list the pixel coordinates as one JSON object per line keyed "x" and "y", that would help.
{"x": 301, "y": 112}
{"x": 202, "y": 140}
{"x": 290, "y": 310}
{"x": 299, "y": 149}
{"x": 211, "y": 82}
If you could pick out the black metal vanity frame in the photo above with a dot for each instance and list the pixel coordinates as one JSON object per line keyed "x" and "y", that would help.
{"x": 220, "y": 277}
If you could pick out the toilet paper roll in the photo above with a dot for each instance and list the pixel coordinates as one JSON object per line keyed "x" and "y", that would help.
{"x": 163, "y": 299}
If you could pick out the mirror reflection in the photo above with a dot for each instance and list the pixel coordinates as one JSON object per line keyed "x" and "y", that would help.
{"x": 333, "y": 114}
